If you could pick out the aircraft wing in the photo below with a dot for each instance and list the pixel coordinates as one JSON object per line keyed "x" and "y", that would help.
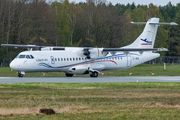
{"x": 32, "y": 46}
{"x": 23, "y": 46}
{"x": 133, "y": 49}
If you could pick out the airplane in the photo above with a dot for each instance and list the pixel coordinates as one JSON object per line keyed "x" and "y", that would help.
{"x": 89, "y": 60}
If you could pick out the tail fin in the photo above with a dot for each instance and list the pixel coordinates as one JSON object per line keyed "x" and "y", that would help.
{"x": 147, "y": 37}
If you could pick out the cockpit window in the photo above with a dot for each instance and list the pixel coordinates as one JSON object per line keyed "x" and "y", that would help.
{"x": 25, "y": 56}
{"x": 17, "y": 56}
{"x": 32, "y": 57}
{"x": 22, "y": 56}
{"x": 28, "y": 57}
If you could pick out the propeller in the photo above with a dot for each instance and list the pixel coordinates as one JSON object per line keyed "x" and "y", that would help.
{"x": 87, "y": 53}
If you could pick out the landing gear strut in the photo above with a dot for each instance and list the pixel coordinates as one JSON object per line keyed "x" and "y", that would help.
{"x": 94, "y": 74}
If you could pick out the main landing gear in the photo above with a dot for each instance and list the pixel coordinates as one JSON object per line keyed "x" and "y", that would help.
{"x": 94, "y": 74}
{"x": 91, "y": 73}
{"x": 69, "y": 75}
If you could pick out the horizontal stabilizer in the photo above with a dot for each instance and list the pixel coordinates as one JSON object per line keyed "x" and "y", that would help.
{"x": 171, "y": 23}
{"x": 162, "y": 49}
{"x": 143, "y": 23}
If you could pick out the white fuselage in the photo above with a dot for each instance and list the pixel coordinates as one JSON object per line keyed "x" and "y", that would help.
{"x": 69, "y": 62}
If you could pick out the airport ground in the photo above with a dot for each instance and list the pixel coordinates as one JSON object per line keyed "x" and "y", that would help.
{"x": 140, "y": 70}
{"x": 134, "y": 100}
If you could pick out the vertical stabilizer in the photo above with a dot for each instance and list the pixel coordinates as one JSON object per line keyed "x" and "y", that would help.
{"x": 147, "y": 37}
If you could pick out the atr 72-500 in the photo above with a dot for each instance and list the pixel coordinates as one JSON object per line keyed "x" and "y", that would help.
{"x": 85, "y": 60}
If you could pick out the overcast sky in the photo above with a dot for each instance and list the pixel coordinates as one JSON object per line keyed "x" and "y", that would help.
{"x": 141, "y": 2}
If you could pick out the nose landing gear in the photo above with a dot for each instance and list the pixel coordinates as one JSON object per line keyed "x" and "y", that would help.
{"x": 19, "y": 74}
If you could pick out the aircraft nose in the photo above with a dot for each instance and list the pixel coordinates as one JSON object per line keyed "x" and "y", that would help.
{"x": 13, "y": 65}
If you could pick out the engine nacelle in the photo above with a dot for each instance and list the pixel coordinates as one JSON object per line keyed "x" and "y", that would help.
{"x": 93, "y": 53}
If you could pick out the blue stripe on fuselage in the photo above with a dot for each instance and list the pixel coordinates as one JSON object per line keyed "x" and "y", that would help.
{"x": 88, "y": 62}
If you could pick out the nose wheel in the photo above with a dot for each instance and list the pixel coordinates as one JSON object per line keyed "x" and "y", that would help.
{"x": 20, "y": 75}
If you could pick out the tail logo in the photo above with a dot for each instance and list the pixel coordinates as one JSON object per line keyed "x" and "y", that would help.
{"x": 146, "y": 42}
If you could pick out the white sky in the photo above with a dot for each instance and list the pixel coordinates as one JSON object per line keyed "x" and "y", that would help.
{"x": 141, "y": 2}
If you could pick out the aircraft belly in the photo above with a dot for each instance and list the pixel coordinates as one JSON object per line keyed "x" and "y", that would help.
{"x": 98, "y": 67}
{"x": 115, "y": 65}
{"x": 81, "y": 69}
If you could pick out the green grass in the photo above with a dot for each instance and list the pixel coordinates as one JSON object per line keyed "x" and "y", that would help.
{"x": 90, "y": 100}
{"x": 140, "y": 70}
{"x": 93, "y": 100}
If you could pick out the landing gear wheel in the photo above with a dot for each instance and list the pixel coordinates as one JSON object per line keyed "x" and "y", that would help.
{"x": 69, "y": 75}
{"x": 94, "y": 74}
{"x": 20, "y": 75}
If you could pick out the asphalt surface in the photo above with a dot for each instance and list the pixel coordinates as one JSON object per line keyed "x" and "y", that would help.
{"x": 104, "y": 79}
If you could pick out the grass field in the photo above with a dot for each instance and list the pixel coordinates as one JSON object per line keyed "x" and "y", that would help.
{"x": 93, "y": 100}
{"x": 140, "y": 70}
{"x": 90, "y": 101}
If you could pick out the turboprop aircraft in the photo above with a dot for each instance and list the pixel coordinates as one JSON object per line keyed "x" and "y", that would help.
{"x": 85, "y": 60}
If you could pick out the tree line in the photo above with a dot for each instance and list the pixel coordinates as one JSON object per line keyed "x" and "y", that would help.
{"x": 94, "y": 23}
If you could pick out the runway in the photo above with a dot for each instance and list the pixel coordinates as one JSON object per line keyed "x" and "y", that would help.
{"x": 104, "y": 79}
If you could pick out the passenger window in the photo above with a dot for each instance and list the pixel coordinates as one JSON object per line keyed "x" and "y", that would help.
{"x": 61, "y": 59}
{"x": 28, "y": 57}
{"x": 73, "y": 59}
{"x": 64, "y": 59}
{"x": 58, "y": 59}
{"x": 82, "y": 58}
{"x": 70, "y": 59}
{"x": 79, "y": 58}
{"x": 67, "y": 59}
{"x": 55, "y": 59}
{"x": 22, "y": 56}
